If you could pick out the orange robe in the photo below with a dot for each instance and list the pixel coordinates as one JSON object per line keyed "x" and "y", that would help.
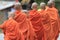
{"x": 59, "y": 25}
{"x": 11, "y": 30}
{"x": 35, "y": 19}
{"x": 54, "y": 22}
{"x": 45, "y": 23}
{"x": 25, "y": 26}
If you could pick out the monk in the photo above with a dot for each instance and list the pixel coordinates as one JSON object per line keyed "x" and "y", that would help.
{"x": 45, "y": 20}
{"x": 53, "y": 15}
{"x": 56, "y": 11}
{"x": 35, "y": 19}
{"x": 11, "y": 29}
{"x": 25, "y": 25}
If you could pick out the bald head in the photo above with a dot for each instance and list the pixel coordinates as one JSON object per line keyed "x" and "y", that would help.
{"x": 17, "y": 6}
{"x": 11, "y": 14}
{"x": 51, "y": 3}
{"x": 34, "y": 5}
{"x": 42, "y": 5}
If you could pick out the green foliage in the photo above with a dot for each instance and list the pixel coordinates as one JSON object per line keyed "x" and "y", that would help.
{"x": 57, "y": 0}
{"x": 57, "y": 5}
{"x": 39, "y": 1}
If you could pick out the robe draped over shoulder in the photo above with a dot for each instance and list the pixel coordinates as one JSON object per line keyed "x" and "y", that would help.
{"x": 35, "y": 19}
{"x": 46, "y": 24}
{"x": 54, "y": 22}
{"x": 11, "y": 30}
{"x": 25, "y": 26}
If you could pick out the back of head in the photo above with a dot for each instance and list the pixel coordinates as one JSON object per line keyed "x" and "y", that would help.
{"x": 42, "y": 5}
{"x": 51, "y": 3}
{"x": 17, "y": 6}
{"x": 34, "y": 5}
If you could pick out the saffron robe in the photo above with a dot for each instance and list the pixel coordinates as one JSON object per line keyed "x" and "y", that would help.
{"x": 11, "y": 30}
{"x": 46, "y": 23}
{"x": 35, "y": 19}
{"x": 25, "y": 26}
{"x": 54, "y": 23}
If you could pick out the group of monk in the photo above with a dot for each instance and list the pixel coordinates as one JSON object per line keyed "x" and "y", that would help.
{"x": 35, "y": 24}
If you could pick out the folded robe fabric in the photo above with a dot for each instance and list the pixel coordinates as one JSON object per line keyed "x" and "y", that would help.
{"x": 46, "y": 24}
{"x": 11, "y": 30}
{"x": 25, "y": 26}
{"x": 35, "y": 19}
{"x": 54, "y": 22}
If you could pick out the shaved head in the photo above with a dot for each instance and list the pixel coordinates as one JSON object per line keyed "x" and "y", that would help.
{"x": 42, "y": 5}
{"x": 17, "y": 6}
{"x": 34, "y": 5}
{"x": 51, "y": 3}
